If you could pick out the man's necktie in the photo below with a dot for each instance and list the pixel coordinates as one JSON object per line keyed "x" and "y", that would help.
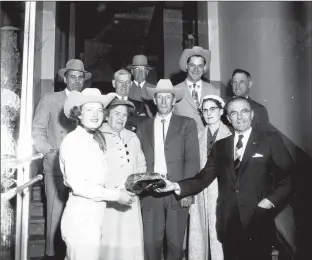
{"x": 163, "y": 127}
{"x": 195, "y": 95}
{"x": 238, "y": 152}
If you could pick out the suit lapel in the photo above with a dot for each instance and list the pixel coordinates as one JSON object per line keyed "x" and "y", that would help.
{"x": 173, "y": 124}
{"x": 229, "y": 150}
{"x": 188, "y": 96}
{"x": 150, "y": 131}
{"x": 251, "y": 146}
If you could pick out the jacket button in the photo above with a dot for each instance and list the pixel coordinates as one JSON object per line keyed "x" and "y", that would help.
{"x": 237, "y": 191}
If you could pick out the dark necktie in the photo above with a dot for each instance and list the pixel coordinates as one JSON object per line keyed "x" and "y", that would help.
{"x": 238, "y": 152}
{"x": 195, "y": 95}
{"x": 163, "y": 127}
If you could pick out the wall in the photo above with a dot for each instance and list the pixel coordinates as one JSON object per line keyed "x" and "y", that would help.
{"x": 274, "y": 44}
{"x": 272, "y": 40}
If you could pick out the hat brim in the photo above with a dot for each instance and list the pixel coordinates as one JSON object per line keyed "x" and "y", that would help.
{"x": 129, "y": 67}
{"x": 75, "y": 98}
{"x": 178, "y": 92}
{"x": 62, "y": 72}
{"x": 122, "y": 102}
{"x": 206, "y": 54}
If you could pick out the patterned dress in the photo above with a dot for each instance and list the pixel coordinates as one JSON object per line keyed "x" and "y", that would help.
{"x": 203, "y": 242}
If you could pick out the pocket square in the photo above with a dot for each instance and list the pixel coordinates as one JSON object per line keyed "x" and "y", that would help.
{"x": 257, "y": 155}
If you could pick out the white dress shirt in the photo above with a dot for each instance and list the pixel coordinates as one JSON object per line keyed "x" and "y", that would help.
{"x": 199, "y": 86}
{"x": 160, "y": 165}
{"x": 141, "y": 83}
{"x": 246, "y": 135}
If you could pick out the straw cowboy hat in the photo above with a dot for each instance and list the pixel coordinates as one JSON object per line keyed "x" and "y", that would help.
{"x": 88, "y": 95}
{"x": 196, "y": 50}
{"x": 74, "y": 64}
{"x": 139, "y": 60}
{"x": 215, "y": 97}
{"x": 165, "y": 86}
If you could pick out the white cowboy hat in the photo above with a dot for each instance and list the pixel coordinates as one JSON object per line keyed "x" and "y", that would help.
{"x": 165, "y": 86}
{"x": 196, "y": 50}
{"x": 77, "y": 65}
{"x": 215, "y": 97}
{"x": 139, "y": 60}
{"x": 88, "y": 95}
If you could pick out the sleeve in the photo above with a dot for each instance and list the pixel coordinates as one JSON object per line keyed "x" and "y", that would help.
{"x": 202, "y": 179}
{"x": 282, "y": 159}
{"x": 75, "y": 170}
{"x": 191, "y": 150}
{"x": 40, "y": 125}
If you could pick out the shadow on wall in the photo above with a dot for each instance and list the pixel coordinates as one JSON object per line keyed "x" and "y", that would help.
{"x": 301, "y": 205}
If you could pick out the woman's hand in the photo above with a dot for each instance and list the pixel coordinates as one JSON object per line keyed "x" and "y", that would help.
{"x": 124, "y": 198}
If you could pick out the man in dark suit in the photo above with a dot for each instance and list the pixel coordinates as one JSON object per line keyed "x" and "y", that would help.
{"x": 140, "y": 69}
{"x": 170, "y": 145}
{"x": 241, "y": 84}
{"x": 50, "y": 126}
{"x": 250, "y": 193}
{"x": 123, "y": 85}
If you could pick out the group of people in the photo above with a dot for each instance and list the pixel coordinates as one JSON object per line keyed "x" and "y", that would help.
{"x": 227, "y": 171}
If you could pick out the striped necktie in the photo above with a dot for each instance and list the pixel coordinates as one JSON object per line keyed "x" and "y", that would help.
{"x": 238, "y": 152}
{"x": 195, "y": 95}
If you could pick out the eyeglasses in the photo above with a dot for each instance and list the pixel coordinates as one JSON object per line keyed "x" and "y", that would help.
{"x": 211, "y": 110}
{"x": 243, "y": 113}
{"x": 139, "y": 68}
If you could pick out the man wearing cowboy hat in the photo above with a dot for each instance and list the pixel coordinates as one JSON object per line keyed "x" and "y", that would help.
{"x": 137, "y": 93}
{"x": 195, "y": 62}
{"x": 170, "y": 145}
{"x": 50, "y": 126}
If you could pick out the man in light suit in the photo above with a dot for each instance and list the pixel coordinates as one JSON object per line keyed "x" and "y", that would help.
{"x": 195, "y": 62}
{"x": 50, "y": 126}
{"x": 250, "y": 191}
{"x": 140, "y": 69}
{"x": 241, "y": 84}
{"x": 170, "y": 145}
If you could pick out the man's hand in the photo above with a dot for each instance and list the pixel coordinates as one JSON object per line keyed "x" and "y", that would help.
{"x": 170, "y": 186}
{"x": 265, "y": 204}
{"x": 186, "y": 202}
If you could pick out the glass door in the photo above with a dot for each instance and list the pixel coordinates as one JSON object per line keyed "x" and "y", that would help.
{"x": 18, "y": 38}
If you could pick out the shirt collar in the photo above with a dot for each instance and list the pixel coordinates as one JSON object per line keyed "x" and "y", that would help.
{"x": 246, "y": 134}
{"x": 120, "y": 97}
{"x": 67, "y": 92}
{"x": 167, "y": 117}
{"x": 141, "y": 84}
{"x": 198, "y": 83}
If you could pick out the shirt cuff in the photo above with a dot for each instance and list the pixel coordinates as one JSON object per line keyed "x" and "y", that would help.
{"x": 177, "y": 188}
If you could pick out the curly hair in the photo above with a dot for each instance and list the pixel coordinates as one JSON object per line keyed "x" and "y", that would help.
{"x": 74, "y": 114}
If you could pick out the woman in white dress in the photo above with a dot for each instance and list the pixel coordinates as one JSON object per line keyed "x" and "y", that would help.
{"x": 203, "y": 242}
{"x": 83, "y": 161}
{"x": 123, "y": 229}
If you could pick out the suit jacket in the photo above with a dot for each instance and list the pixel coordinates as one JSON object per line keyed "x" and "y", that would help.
{"x": 187, "y": 106}
{"x": 50, "y": 126}
{"x": 181, "y": 149}
{"x": 261, "y": 118}
{"x": 254, "y": 181}
{"x": 139, "y": 97}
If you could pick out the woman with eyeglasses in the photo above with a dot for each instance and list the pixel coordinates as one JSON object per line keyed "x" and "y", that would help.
{"x": 202, "y": 230}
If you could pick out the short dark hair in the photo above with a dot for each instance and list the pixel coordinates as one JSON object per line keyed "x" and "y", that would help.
{"x": 245, "y": 72}
{"x": 74, "y": 113}
{"x": 109, "y": 109}
{"x": 236, "y": 98}
{"x": 189, "y": 58}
